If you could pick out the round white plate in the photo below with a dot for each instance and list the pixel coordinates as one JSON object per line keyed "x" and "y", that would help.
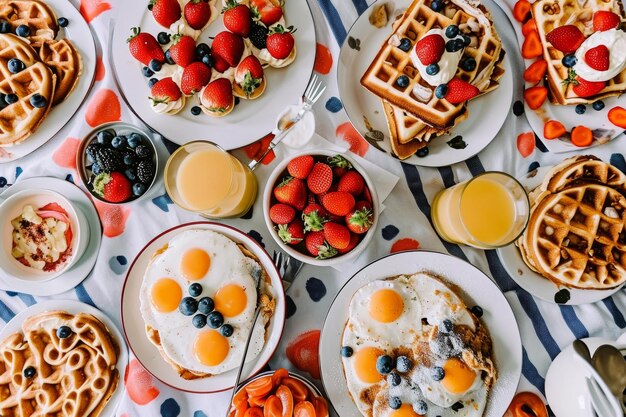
{"x": 486, "y": 114}
{"x": 251, "y": 119}
{"x": 77, "y": 273}
{"x": 75, "y": 307}
{"x": 477, "y": 289}
{"x": 79, "y": 33}
{"x": 134, "y": 327}
{"x": 531, "y": 281}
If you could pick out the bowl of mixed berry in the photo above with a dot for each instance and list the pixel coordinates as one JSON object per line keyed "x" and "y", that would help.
{"x": 117, "y": 162}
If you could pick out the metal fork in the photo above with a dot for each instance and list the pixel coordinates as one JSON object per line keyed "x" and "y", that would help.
{"x": 288, "y": 267}
{"x": 313, "y": 92}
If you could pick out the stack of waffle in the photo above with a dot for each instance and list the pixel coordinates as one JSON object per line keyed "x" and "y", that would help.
{"x": 414, "y": 113}
{"x": 576, "y": 235}
{"x": 52, "y": 68}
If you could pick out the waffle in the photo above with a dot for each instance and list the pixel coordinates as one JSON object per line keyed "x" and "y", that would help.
{"x": 21, "y": 119}
{"x": 74, "y": 377}
{"x": 35, "y": 14}
{"x": 64, "y": 60}
{"x": 549, "y": 14}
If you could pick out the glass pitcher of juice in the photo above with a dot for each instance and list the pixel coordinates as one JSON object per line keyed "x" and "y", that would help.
{"x": 488, "y": 211}
{"x": 202, "y": 177}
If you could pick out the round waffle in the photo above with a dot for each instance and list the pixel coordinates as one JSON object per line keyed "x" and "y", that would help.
{"x": 33, "y": 13}
{"x": 65, "y": 62}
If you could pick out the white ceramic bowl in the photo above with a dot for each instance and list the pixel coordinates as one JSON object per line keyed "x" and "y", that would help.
{"x": 11, "y": 208}
{"x": 267, "y": 199}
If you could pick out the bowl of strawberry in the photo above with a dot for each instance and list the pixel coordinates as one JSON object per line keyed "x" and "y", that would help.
{"x": 321, "y": 207}
{"x": 117, "y": 162}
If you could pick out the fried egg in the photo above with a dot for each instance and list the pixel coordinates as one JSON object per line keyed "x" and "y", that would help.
{"x": 226, "y": 276}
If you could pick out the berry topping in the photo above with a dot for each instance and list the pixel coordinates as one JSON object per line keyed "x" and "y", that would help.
{"x": 598, "y": 58}
{"x": 566, "y": 38}
{"x": 605, "y": 20}
{"x": 384, "y": 364}
{"x": 430, "y": 48}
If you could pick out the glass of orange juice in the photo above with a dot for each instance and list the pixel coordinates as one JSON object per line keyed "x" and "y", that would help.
{"x": 488, "y": 211}
{"x": 202, "y": 177}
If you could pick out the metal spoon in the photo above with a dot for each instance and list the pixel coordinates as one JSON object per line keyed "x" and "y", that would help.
{"x": 611, "y": 366}
{"x": 581, "y": 348}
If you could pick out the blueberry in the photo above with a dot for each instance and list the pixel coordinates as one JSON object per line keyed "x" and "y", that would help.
{"x": 432, "y": 69}
{"x": 405, "y": 44}
{"x": 569, "y": 61}
{"x": 38, "y": 101}
{"x": 477, "y": 310}
{"x": 147, "y": 72}
{"x": 11, "y": 98}
{"x": 468, "y": 64}
{"x": 139, "y": 189}
{"x": 598, "y": 105}
{"x": 208, "y": 60}
{"x": 168, "y": 57}
{"x": 188, "y": 306}
{"x": 163, "y": 38}
{"x": 227, "y": 330}
{"x": 3, "y": 102}
{"x": 403, "y": 81}
{"x": 129, "y": 159}
{"x": 452, "y": 31}
{"x": 437, "y": 373}
{"x": 5, "y": 27}
{"x": 346, "y": 351}
{"x": 466, "y": 40}
{"x": 215, "y": 319}
{"x": 395, "y": 403}
{"x": 202, "y": 49}
{"x": 441, "y": 91}
{"x": 104, "y": 137}
{"x": 63, "y": 22}
{"x": 95, "y": 168}
{"x": 30, "y": 372}
{"x": 422, "y": 152}
{"x": 581, "y": 109}
{"x": 420, "y": 407}
{"x": 155, "y": 65}
{"x": 64, "y": 332}
{"x": 150, "y": 5}
{"x": 437, "y": 5}
{"x": 384, "y": 364}
{"x": 118, "y": 141}
{"x": 198, "y": 321}
{"x": 403, "y": 364}
{"x": 152, "y": 82}
{"x": 134, "y": 139}
{"x": 206, "y": 305}
{"x": 15, "y": 65}
{"x": 394, "y": 379}
{"x": 446, "y": 326}
{"x": 454, "y": 45}
{"x": 195, "y": 289}
{"x": 143, "y": 151}
{"x": 130, "y": 174}
{"x": 196, "y": 110}
{"x": 22, "y": 30}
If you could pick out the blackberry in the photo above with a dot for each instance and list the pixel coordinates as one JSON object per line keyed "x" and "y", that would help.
{"x": 143, "y": 151}
{"x": 145, "y": 171}
{"x": 108, "y": 159}
{"x": 258, "y": 36}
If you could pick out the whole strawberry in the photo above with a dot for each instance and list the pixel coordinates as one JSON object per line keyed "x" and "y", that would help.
{"x": 566, "y": 38}
{"x": 165, "y": 12}
{"x": 197, "y": 13}
{"x": 281, "y": 42}
{"x": 317, "y": 246}
{"x": 598, "y": 58}
{"x": 228, "y": 46}
{"x": 338, "y": 203}
{"x": 144, "y": 48}
{"x": 339, "y": 164}
{"x": 584, "y": 88}
{"x": 352, "y": 182}
{"x": 301, "y": 166}
{"x": 237, "y": 18}
{"x": 336, "y": 235}
{"x": 251, "y": 71}
{"x": 165, "y": 91}
{"x": 291, "y": 191}
{"x": 359, "y": 221}
{"x": 282, "y": 213}
{"x": 195, "y": 76}
{"x": 320, "y": 179}
{"x": 314, "y": 217}
{"x": 430, "y": 48}
{"x": 354, "y": 240}
{"x": 268, "y": 12}
{"x": 113, "y": 187}
{"x": 218, "y": 97}
{"x": 183, "y": 52}
{"x": 460, "y": 91}
{"x": 292, "y": 233}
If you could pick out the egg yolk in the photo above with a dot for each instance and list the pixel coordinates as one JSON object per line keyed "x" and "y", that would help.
{"x": 230, "y": 300}
{"x": 405, "y": 410}
{"x": 365, "y": 364}
{"x": 210, "y": 347}
{"x": 458, "y": 376}
{"x": 166, "y": 295}
{"x": 386, "y": 306}
{"x": 195, "y": 264}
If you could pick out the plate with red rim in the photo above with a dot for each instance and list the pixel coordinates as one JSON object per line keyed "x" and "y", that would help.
{"x": 134, "y": 327}
{"x": 250, "y": 120}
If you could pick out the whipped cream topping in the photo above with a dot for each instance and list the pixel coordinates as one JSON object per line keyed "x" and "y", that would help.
{"x": 171, "y": 107}
{"x": 448, "y": 64}
{"x": 615, "y": 41}
{"x": 174, "y": 71}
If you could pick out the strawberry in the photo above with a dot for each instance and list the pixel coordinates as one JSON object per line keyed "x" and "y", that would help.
{"x": 536, "y": 71}
{"x": 367, "y": 195}
{"x": 220, "y": 65}
{"x": 531, "y": 48}
{"x": 113, "y": 187}
{"x": 144, "y": 48}
{"x": 197, "y": 13}
{"x": 228, "y": 46}
{"x": 460, "y": 91}
{"x": 521, "y": 10}
{"x": 218, "y": 95}
{"x": 165, "y": 12}
{"x": 268, "y": 12}
{"x": 165, "y": 91}
{"x": 529, "y": 26}
{"x": 430, "y": 48}
{"x": 291, "y": 191}
{"x": 183, "y": 51}
{"x": 338, "y": 203}
{"x": 605, "y": 20}
{"x": 314, "y": 217}
{"x": 317, "y": 246}
{"x": 354, "y": 240}
{"x": 195, "y": 76}
{"x": 320, "y": 179}
{"x": 352, "y": 182}
{"x": 535, "y": 96}
{"x": 291, "y": 233}
{"x": 553, "y": 129}
{"x": 363, "y": 205}
{"x": 584, "y": 88}
{"x": 617, "y": 116}
{"x": 251, "y": 71}
{"x": 282, "y": 213}
{"x": 280, "y": 42}
{"x": 336, "y": 235}
{"x": 339, "y": 164}
{"x": 360, "y": 220}
{"x": 581, "y": 136}
{"x": 598, "y": 58}
{"x": 301, "y": 166}
{"x": 237, "y": 18}
{"x": 566, "y": 38}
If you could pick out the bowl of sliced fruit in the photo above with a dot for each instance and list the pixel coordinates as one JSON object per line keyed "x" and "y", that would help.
{"x": 321, "y": 207}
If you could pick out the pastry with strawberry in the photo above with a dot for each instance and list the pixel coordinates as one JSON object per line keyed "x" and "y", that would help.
{"x": 191, "y": 19}
{"x": 249, "y": 80}
{"x": 217, "y": 99}
{"x": 166, "y": 97}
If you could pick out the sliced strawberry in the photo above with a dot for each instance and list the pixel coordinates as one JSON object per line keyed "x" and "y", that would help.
{"x": 531, "y": 48}
{"x": 529, "y": 26}
{"x": 460, "y": 91}
{"x": 197, "y": 13}
{"x": 536, "y": 71}
{"x": 165, "y": 12}
{"x": 165, "y": 91}
{"x": 280, "y": 42}
{"x": 229, "y": 47}
{"x": 237, "y": 18}
{"x": 535, "y": 96}
{"x": 218, "y": 96}
{"x": 566, "y": 38}
{"x": 553, "y": 129}
{"x": 144, "y": 48}
{"x": 521, "y": 10}
{"x": 268, "y": 12}
{"x": 584, "y": 88}
{"x": 430, "y": 48}
{"x": 183, "y": 52}
{"x": 598, "y": 58}
{"x": 605, "y": 20}
{"x": 582, "y": 136}
{"x": 617, "y": 116}
{"x": 195, "y": 76}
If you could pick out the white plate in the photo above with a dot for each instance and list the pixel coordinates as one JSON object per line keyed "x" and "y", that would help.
{"x": 565, "y": 114}
{"x": 477, "y": 288}
{"x": 134, "y": 326}
{"x": 251, "y": 119}
{"x": 531, "y": 281}
{"x": 486, "y": 114}
{"x": 77, "y": 273}
{"x": 79, "y": 33}
{"x": 75, "y": 307}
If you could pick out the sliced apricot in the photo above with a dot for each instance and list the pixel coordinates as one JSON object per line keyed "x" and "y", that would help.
{"x": 240, "y": 409}
{"x": 286, "y": 398}
{"x": 535, "y": 72}
{"x": 531, "y": 48}
{"x": 321, "y": 407}
{"x": 553, "y": 129}
{"x": 582, "y": 136}
{"x": 521, "y": 10}
{"x": 273, "y": 407}
{"x": 535, "y": 96}
{"x": 299, "y": 391}
{"x": 254, "y": 412}
{"x": 278, "y": 376}
{"x": 304, "y": 409}
{"x": 526, "y": 404}
{"x": 240, "y": 397}
{"x": 617, "y": 116}
{"x": 260, "y": 387}
{"x": 257, "y": 401}
{"x": 529, "y": 26}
